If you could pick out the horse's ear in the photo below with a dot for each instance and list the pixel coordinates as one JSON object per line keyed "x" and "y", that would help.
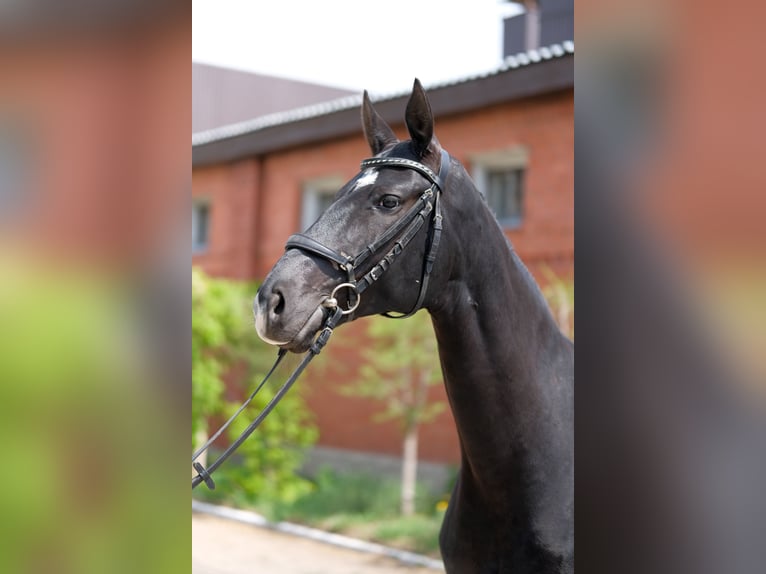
{"x": 420, "y": 120}
{"x": 379, "y": 135}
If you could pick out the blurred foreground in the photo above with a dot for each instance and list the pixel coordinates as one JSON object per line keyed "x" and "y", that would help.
{"x": 671, "y": 283}
{"x": 94, "y": 293}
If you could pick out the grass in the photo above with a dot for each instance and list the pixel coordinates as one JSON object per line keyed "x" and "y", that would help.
{"x": 359, "y": 505}
{"x": 419, "y": 533}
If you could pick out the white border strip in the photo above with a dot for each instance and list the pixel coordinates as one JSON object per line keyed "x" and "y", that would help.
{"x": 255, "y": 519}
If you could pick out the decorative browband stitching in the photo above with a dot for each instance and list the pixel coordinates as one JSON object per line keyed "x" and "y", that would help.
{"x": 401, "y": 162}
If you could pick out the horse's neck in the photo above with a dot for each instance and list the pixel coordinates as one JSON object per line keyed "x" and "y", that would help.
{"x": 501, "y": 356}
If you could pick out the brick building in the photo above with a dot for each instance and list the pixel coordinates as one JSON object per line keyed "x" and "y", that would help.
{"x": 256, "y": 182}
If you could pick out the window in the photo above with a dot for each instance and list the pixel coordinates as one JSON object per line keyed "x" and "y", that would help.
{"x": 503, "y": 193}
{"x": 318, "y": 194}
{"x": 200, "y": 225}
{"x": 499, "y": 176}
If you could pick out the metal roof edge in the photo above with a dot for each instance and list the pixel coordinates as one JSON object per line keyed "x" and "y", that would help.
{"x": 317, "y": 112}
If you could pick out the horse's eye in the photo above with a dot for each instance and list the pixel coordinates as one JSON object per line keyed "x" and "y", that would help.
{"x": 389, "y": 201}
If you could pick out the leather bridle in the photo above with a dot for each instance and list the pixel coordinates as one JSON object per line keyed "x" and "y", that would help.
{"x": 403, "y": 231}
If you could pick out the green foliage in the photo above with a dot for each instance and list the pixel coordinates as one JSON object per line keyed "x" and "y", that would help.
{"x": 560, "y": 296}
{"x": 352, "y": 494}
{"x": 216, "y": 326}
{"x": 418, "y": 533}
{"x": 367, "y": 506}
{"x": 345, "y": 494}
{"x": 400, "y": 363}
{"x": 271, "y": 455}
{"x": 90, "y": 443}
{"x": 223, "y": 341}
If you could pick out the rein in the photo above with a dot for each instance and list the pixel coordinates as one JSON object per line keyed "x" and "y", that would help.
{"x": 203, "y": 474}
{"x": 405, "y": 229}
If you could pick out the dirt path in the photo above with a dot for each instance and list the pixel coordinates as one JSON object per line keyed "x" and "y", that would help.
{"x": 221, "y": 546}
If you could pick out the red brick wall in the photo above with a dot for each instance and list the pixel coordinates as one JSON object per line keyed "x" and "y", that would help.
{"x": 545, "y": 126}
{"x": 346, "y": 422}
{"x": 256, "y": 205}
{"x": 233, "y": 193}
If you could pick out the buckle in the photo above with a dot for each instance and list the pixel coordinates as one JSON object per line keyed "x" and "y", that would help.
{"x": 204, "y": 475}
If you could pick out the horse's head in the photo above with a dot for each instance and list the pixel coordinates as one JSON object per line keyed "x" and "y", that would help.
{"x": 394, "y": 199}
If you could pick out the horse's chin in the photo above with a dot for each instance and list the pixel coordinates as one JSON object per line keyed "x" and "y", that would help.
{"x": 301, "y": 342}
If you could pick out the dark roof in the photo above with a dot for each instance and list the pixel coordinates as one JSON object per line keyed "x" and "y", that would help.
{"x": 222, "y": 96}
{"x": 526, "y": 74}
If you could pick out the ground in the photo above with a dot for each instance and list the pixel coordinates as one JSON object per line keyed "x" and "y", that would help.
{"x": 221, "y": 546}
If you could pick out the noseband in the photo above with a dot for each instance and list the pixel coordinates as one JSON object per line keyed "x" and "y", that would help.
{"x": 404, "y": 230}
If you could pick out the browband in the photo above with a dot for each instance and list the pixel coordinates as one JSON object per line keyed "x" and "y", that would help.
{"x": 423, "y": 170}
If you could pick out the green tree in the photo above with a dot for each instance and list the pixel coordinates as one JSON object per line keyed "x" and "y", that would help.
{"x": 215, "y": 326}
{"x": 272, "y": 454}
{"x": 400, "y": 364}
{"x": 224, "y": 344}
{"x": 560, "y": 296}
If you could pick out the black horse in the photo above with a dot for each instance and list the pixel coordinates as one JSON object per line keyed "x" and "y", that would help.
{"x": 507, "y": 368}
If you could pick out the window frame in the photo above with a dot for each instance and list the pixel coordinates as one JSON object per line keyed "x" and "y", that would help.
{"x": 312, "y": 190}
{"x": 510, "y": 159}
{"x": 197, "y": 203}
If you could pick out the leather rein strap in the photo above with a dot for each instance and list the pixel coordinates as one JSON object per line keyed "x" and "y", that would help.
{"x": 203, "y": 474}
{"x": 427, "y": 207}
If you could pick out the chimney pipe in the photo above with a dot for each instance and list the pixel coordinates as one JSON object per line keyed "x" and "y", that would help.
{"x": 532, "y": 25}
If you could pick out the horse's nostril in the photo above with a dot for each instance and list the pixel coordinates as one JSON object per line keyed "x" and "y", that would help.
{"x": 277, "y": 302}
